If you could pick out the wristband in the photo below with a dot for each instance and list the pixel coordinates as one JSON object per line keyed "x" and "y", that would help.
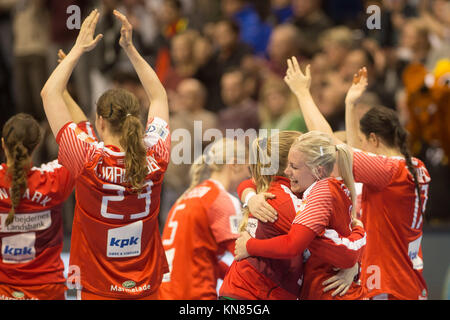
{"x": 248, "y": 197}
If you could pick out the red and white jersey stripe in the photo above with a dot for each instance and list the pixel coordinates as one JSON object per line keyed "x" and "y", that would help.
{"x": 115, "y": 234}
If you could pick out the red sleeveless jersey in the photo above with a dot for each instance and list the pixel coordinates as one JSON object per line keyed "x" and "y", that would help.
{"x": 392, "y": 215}
{"x": 326, "y": 210}
{"x": 331, "y": 248}
{"x": 31, "y": 246}
{"x": 262, "y": 278}
{"x": 115, "y": 243}
{"x": 196, "y": 226}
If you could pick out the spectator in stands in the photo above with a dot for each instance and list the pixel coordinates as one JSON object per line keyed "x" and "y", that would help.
{"x": 190, "y": 106}
{"x": 278, "y": 108}
{"x": 254, "y": 31}
{"x": 182, "y": 63}
{"x": 229, "y": 53}
{"x": 281, "y": 10}
{"x": 171, "y": 21}
{"x": 284, "y": 42}
{"x": 241, "y": 111}
{"x": 335, "y": 44}
{"x": 311, "y": 21}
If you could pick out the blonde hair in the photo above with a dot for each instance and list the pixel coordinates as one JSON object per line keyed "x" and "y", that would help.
{"x": 340, "y": 35}
{"x": 261, "y": 150}
{"x": 320, "y": 152}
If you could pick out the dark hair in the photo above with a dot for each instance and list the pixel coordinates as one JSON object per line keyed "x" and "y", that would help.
{"x": 235, "y": 28}
{"x": 120, "y": 108}
{"x": 21, "y": 135}
{"x": 385, "y": 124}
{"x": 175, "y": 3}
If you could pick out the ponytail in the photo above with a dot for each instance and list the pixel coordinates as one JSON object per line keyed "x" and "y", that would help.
{"x": 21, "y": 134}
{"x": 385, "y": 124}
{"x": 345, "y": 166}
{"x": 198, "y": 172}
{"x": 120, "y": 108}
{"x": 135, "y": 153}
{"x": 401, "y": 140}
{"x": 261, "y": 153}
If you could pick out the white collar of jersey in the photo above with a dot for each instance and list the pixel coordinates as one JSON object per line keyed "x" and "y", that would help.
{"x": 218, "y": 183}
{"x": 102, "y": 146}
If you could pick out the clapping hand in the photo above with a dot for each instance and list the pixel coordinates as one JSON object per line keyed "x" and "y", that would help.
{"x": 126, "y": 32}
{"x": 85, "y": 40}
{"x": 297, "y": 81}
{"x": 358, "y": 87}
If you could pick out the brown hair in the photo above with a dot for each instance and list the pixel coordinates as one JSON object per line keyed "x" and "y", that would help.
{"x": 263, "y": 148}
{"x": 121, "y": 109}
{"x": 385, "y": 124}
{"x": 21, "y": 135}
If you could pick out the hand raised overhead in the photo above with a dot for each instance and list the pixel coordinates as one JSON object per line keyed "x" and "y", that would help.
{"x": 126, "y": 31}
{"x": 295, "y": 78}
{"x": 85, "y": 39}
{"x": 358, "y": 87}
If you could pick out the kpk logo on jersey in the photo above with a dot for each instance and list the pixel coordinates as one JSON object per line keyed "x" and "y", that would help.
{"x": 19, "y": 248}
{"x": 124, "y": 241}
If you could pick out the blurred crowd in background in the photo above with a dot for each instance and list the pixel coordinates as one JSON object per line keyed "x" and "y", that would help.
{"x": 222, "y": 62}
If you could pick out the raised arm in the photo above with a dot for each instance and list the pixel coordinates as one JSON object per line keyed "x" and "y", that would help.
{"x": 351, "y": 121}
{"x": 152, "y": 85}
{"x": 74, "y": 109}
{"x": 52, "y": 93}
{"x": 299, "y": 83}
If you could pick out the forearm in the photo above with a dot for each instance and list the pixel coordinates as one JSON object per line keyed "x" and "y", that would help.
{"x": 53, "y": 92}
{"x": 282, "y": 247}
{"x": 153, "y": 87}
{"x": 75, "y": 111}
{"x": 351, "y": 125}
{"x": 313, "y": 117}
{"x": 244, "y": 188}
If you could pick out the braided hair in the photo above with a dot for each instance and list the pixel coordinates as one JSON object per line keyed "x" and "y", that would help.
{"x": 21, "y": 134}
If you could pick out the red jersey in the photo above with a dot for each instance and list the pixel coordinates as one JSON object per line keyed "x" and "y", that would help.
{"x": 263, "y": 278}
{"x": 393, "y": 262}
{"x": 115, "y": 238}
{"x": 31, "y": 245}
{"x": 326, "y": 210}
{"x": 196, "y": 227}
{"x": 329, "y": 247}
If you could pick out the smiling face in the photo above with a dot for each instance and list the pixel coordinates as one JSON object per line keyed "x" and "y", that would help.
{"x": 300, "y": 175}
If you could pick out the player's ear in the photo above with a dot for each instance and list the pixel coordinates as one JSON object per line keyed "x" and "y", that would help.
{"x": 100, "y": 123}
{"x": 374, "y": 140}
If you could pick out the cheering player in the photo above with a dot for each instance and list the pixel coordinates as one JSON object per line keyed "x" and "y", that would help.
{"x": 394, "y": 194}
{"x": 115, "y": 239}
{"x": 31, "y": 200}
{"x": 203, "y": 224}
{"x": 324, "y": 214}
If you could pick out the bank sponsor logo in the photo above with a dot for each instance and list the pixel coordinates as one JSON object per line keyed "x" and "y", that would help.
{"x": 26, "y": 222}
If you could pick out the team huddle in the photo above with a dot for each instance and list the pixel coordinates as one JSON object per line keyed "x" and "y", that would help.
{"x": 335, "y": 219}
